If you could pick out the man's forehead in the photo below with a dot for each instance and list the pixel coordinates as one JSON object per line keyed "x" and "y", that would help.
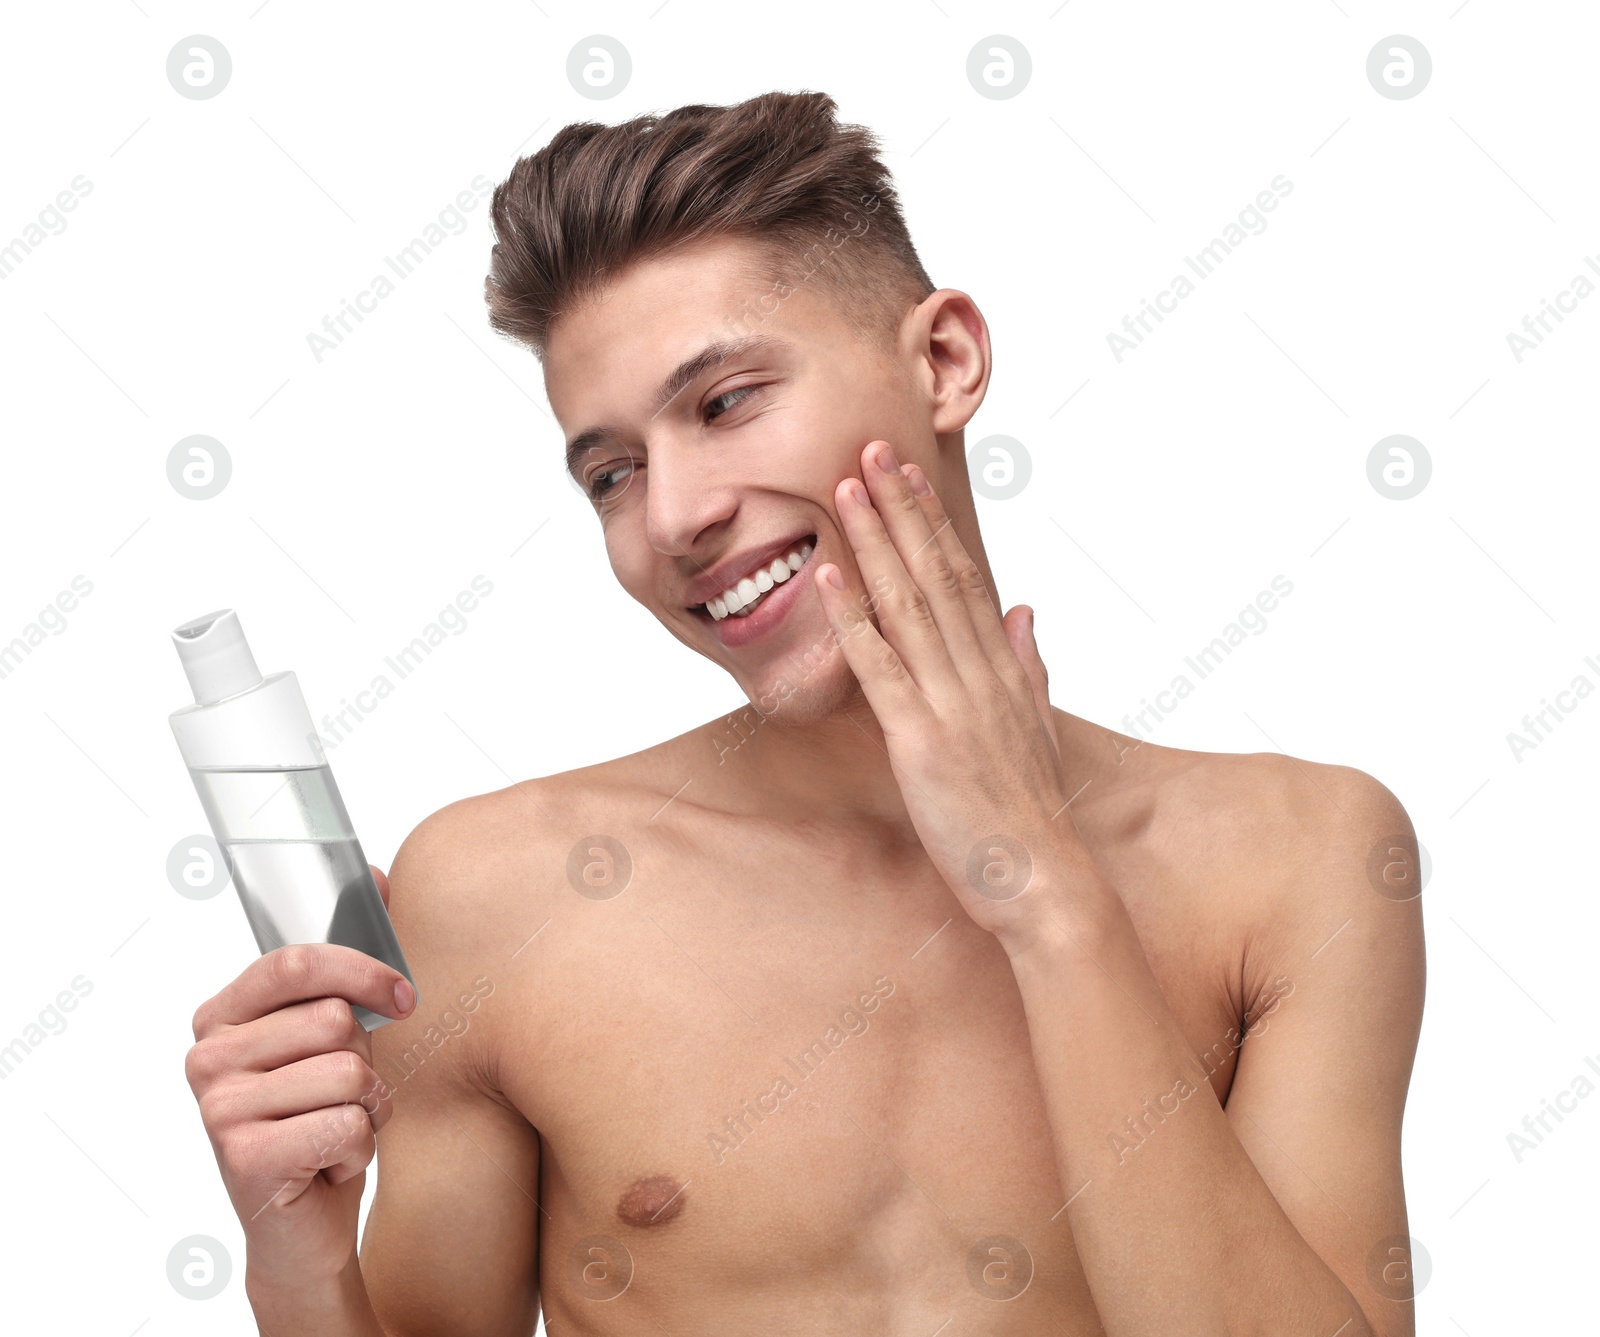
{"x": 620, "y": 352}
{"x": 699, "y": 283}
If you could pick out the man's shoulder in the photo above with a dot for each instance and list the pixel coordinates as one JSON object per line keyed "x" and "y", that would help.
{"x": 1285, "y": 841}
{"x": 461, "y": 863}
{"x": 1264, "y": 801}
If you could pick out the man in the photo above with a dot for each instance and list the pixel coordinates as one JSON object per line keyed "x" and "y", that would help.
{"x": 900, "y": 1001}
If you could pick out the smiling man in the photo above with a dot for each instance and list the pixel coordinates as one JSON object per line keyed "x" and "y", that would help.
{"x": 897, "y": 1001}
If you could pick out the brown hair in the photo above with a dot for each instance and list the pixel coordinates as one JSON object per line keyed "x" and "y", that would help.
{"x": 778, "y": 168}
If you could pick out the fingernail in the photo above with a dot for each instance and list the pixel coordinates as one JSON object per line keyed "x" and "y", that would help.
{"x": 919, "y": 482}
{"x": 858, "y": 492}
{"x": 835, "y": 577}
{"x": 405, "y": 996}
{"x": 887, "y": 461}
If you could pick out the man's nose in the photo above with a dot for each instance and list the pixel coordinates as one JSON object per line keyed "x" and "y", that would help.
{"x": 684, "y": 498}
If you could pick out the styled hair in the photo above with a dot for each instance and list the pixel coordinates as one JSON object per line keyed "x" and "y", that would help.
{"x": 778, "y": 169}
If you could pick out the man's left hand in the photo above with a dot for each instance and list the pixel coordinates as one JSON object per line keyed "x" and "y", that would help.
{"x": 961, "y": 695}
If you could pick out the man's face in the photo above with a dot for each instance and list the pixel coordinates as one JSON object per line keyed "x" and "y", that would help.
{"x": 738, "y": 468}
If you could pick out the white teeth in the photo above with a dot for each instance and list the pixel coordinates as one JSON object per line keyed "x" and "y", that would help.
{"x": 742, "y": 598}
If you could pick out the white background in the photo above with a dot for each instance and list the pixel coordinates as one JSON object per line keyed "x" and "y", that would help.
{"x": 370, "y": 488}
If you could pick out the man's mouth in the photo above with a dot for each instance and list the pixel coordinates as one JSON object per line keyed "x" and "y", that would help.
{"x": 742, "y": 598}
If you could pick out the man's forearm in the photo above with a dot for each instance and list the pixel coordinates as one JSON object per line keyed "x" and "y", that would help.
{"x": 1176, "y": 1229}
{"x": 340, "y": 1308}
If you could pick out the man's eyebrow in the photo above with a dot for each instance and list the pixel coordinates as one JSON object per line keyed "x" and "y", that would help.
{"x": 685, "y": 374}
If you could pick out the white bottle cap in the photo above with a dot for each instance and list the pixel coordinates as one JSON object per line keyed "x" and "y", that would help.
{"x": 216, "y": 656}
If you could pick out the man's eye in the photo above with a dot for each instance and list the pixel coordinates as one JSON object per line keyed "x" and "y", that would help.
{"x": 601, "y": 481}
{"x": 740, "y": 390}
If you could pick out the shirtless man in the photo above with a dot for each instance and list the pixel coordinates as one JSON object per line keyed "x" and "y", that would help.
{"x": 897, "y": 1002}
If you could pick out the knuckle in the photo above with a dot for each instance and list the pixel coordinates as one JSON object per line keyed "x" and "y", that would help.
{"x": 293, "y": 966}
{"x": 972, "y": 581}
{"x": 903, "y": 499}
{"x": 220, "y": 1108}
{"x": 916, "y": 608}
{"x": 940, "y": 576}
{"x": 380, "y": 1106}
{"x": 199, "y": 1066}
{"x": 346, "y": 1132}
{"x": 351, "y": 1069}
{"x": 889, "y": 665}
{"x": 333, "y": 1019}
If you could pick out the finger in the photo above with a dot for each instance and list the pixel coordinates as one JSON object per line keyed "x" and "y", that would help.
{"x": 1019, "y": 628}
{"x": 382, "y": 879}
{"x": 288, "y": 1035}
{"x": 921, "y": 552}
{"x": 338, "y": 1140}
{"x": 981, "y": 610}
{"x": 885, "y": 681}
{"x": 313, "y": 1083}
{"x": 303, "y": 971}
{"x": 905, "y": 617}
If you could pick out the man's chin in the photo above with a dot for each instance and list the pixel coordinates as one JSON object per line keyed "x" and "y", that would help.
{"x": 788, "y": 699}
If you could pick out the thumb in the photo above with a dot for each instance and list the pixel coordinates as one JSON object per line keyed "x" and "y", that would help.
{"x": 1019, "y": 631}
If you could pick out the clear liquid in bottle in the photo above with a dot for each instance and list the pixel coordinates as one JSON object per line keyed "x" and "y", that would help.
{"x": 296, "y": 863}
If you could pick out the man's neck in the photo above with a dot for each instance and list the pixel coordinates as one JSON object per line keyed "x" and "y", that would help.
{"x": 832, "y": 769}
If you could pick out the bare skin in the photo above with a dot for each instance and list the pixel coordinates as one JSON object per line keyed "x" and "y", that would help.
{"x": 708, "y": 1040}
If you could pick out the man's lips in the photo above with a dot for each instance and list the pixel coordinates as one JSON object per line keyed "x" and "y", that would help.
{"x": 727, "y": 573}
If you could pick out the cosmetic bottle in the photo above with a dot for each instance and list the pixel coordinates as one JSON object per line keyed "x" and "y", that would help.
{"x": 269, "y": 795}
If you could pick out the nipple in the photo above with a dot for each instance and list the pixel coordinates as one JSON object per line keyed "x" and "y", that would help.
{"x": 652, "y": 1201}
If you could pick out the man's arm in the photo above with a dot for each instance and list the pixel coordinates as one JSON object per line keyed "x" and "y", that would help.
{"x": 1267, "y": 1217}
{"x": 451, "y": 1243}
{"x": 1186, "y": 1234}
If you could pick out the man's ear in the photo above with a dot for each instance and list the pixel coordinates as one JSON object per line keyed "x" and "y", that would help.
{"x": 949, "y": 346}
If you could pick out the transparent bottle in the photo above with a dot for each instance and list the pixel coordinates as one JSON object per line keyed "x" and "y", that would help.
{"x": 270, "y": 797}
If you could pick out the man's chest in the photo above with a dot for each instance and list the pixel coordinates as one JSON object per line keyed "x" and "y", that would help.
{"x": 752, "y": 1069}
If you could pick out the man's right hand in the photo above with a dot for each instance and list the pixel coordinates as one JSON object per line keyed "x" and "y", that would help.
{"x": 283, "y": 1074}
